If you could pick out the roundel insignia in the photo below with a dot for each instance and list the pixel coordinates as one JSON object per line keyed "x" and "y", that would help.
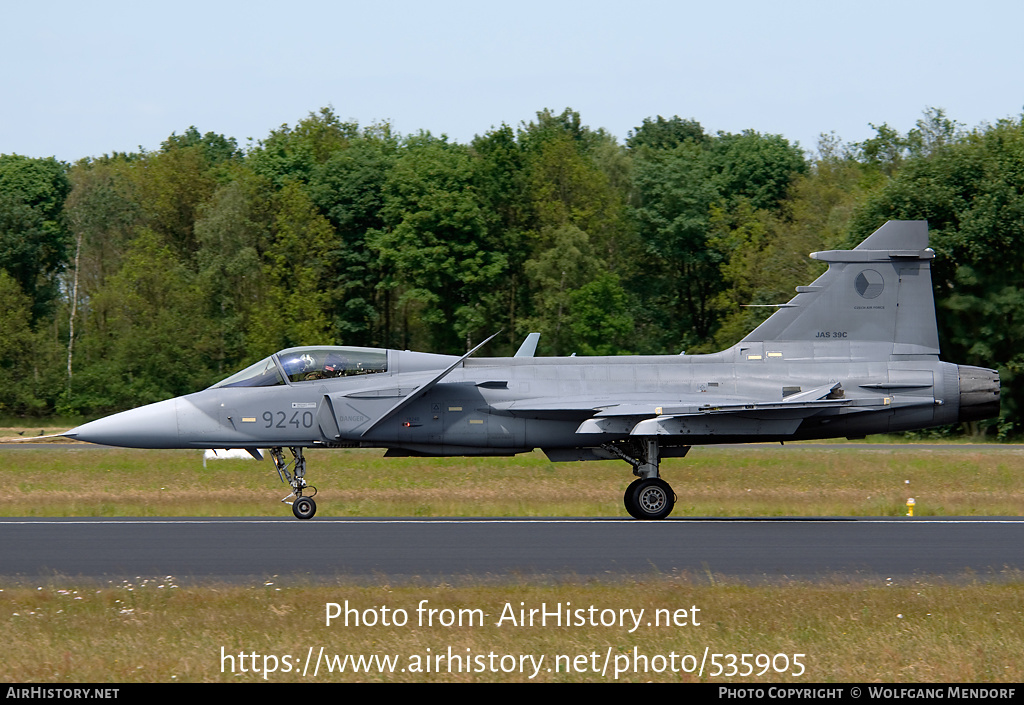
{"x": 869, "y": 283}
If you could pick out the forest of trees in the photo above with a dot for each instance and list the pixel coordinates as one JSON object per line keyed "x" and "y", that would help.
{"x": 136, "y": 277}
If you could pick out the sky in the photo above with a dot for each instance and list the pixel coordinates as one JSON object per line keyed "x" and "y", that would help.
{"x": 86, "y": 79}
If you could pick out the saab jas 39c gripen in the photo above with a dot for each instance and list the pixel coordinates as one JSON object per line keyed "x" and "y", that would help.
{"x": 854, "y": 353}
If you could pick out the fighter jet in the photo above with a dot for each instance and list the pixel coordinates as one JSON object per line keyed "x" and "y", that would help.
{"x": 854, "y": 353}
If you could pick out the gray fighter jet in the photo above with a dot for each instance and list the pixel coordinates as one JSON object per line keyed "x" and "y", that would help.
{"x": 854, "y": 353}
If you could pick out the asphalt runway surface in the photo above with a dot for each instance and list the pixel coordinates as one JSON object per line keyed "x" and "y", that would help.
{"x": 472, "y": 550}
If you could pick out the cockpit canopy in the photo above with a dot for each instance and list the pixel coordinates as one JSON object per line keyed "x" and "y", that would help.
{"x": 309, "y": 364}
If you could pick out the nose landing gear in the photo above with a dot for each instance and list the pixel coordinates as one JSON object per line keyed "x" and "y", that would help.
{"x": 303, "y": 507}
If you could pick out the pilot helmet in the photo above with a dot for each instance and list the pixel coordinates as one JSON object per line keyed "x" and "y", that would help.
{"x": 297, "y": 365}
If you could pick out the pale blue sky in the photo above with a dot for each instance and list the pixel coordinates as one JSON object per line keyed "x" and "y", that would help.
{"x": 82, "y": 79}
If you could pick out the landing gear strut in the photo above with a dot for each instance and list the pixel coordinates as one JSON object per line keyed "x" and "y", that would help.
{"x": 302, "y": 507}
{"x": 648, "y": 497}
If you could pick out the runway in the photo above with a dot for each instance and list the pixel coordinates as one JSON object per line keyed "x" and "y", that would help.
{"x": 248, "y": 550}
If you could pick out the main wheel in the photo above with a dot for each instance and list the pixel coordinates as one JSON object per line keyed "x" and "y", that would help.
{"x": 303, "y": 507}
{"x": 629, "y": 499}
{"x": 653, "y": 498}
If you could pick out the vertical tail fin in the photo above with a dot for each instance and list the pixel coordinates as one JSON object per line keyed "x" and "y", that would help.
{"x": 880, "y": 293}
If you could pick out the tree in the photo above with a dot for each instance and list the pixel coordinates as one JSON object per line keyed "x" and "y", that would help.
{"x": 675, "y": 190}
{"x": 102, "y": 216}
{"x": 170, "y": 187}
{"x": 575, "y": 181}
{"x": 234, "y": 229}
{"x": 885, "y": 151}
{"x": 674, "y": 194}
{"x": 764, "y": 251}
{"x": 661, "y": 134}
{"x": 500, "y": 180}
{"x": 16, "y": 345}
{"x": 933, "y": 132}
{"x": 292, "y": 154}
{"x": 216, "y": 149}
{"x": 434, "y": 249}
{"x": 601, "y": 317}
{"x": 142, "y": 338}
{"x": 755, "y": 166}
{"x": 971, "y": 191}
{"x": 888, "y": 149}
{"x": 33, "y": 234}
{"x": 348, "y": 189}
{"x": 343, "y": 169}
{"x": 563, "y": 263}
{"x": 293, "y": 306}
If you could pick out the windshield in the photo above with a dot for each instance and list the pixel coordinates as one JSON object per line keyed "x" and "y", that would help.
{"x": 263, "y": 374}
{"x": 307, "y": 364}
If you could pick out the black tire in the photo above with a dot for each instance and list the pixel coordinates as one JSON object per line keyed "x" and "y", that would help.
{"x": 653, "y": 498}
{"x": 304, "y": 508}
{"x": 629, "y": 499}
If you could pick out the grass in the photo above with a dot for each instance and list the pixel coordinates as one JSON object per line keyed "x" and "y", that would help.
{"x": 150, "y": 629}
{"x": 765, "y": 480}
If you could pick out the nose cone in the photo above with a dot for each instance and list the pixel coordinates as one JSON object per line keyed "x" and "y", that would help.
{"x": 152, "y": 426}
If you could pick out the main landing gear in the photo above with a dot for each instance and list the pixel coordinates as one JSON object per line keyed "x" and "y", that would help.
{"x": 648, "y": 497}
{"x": 303, "y": 507}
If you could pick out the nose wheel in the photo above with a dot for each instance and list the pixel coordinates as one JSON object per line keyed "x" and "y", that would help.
{"x": 302, "y": 507}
